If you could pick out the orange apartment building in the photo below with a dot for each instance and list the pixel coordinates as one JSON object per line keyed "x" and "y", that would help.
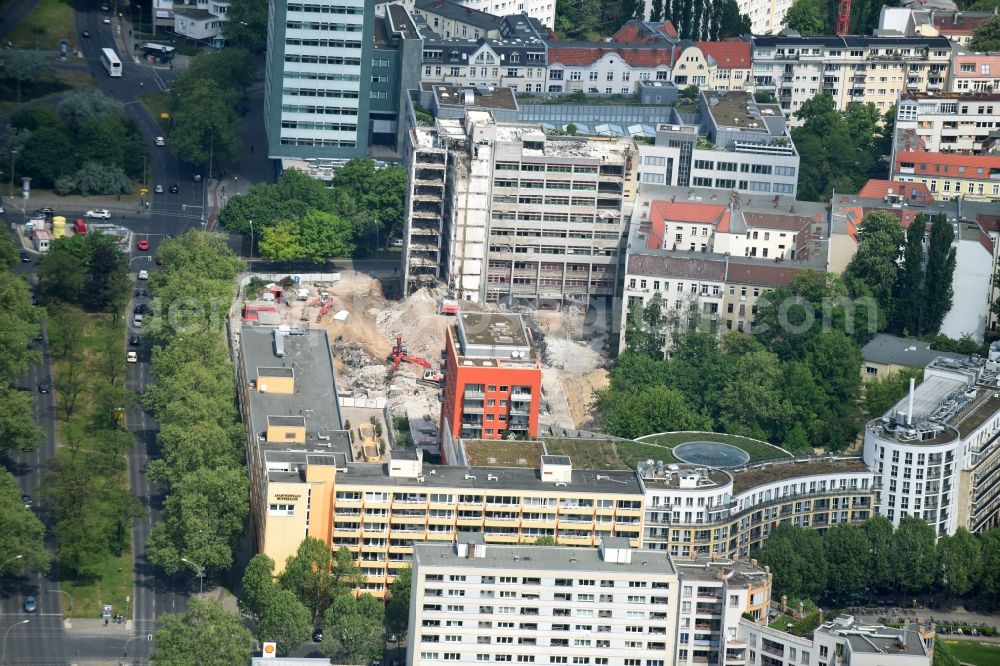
{"x": 493, "y": 379}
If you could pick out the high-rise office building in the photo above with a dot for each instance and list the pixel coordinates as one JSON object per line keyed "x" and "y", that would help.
{"x": 319, "y": 76}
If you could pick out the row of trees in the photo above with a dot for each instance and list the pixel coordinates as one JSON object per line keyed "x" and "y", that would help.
{"x": 21, "y": 533}
{"x": 840, "y": 150}
{"x": 316, "y": 588}
{"x": 853, "y": 559}
{"x": 701, "y": 19}
{"x": 299, "y": 217}
{"x": 795, "y": 380}
{"x": 911, "y": 284}
{"x": 193, "y": 398}
{"x": 85, "y": 144}
{"x": 819, "y": 17}
{"x": 206, "y": 101}
{"x": 85, "y": 488}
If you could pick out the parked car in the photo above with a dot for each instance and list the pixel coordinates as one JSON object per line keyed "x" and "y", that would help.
{"x": 132, "y": 357}
{"x": 86, "y": 34}
{"x": 137, "y": 320}
{"x": 160, "y": 141}
{"x": 174, "y": 189}
{"x": 44, "y": 386}
{"x": 317, "y": 635}
{"x": 143, "y": 275}
{"x": 27, "y": 501}
{"x": 396, "y": 242}
{"x": 106, "y": 21}
{"x": 143, "y": 245}
{"x": 25, "y": 257}
{"x": 197, "y": 178}
{"x": 30, "y": 604}
{"x": 99, "y": 213}
{"x": 158, "y": 189}
{"x": 141, "y": 293}
{"x": 135, "y": 340}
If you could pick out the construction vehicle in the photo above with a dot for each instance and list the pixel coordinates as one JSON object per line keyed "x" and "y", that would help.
{"x": 432, "y": 377}
{"x": 400, "y": 355}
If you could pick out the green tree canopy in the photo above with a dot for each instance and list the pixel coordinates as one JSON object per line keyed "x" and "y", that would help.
{"x": 882, "y": 393}
{"x": 258, "y": 585}
{"x": 958, "y": 562}
{"x": 879, "y": 563}
{"x": 206, "y": 635}
{"x": 285, "y": 620}
{"x": 797, "y": 560}
{"x": 914, "y": 555}
{"x": 21, "y": 532}
{"x": 397, "y": 610}
{"x": 939, "y": 273}
{"x": 846, "y": 547}
{"x": 317, "y": 576}
{"x": 986, "y": 37}
{"x": 354, "y": 629}
{"x": 809, "y": 17}
{"x": 246, "y": 24}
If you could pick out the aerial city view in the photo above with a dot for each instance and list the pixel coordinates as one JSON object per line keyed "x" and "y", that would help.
{"x": 453, "y": 332}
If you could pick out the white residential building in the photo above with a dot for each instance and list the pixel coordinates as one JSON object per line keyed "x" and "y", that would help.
{"x": 715, "y": 593}
{"x": 850, "y": 69}
{"x": 949, "y": 122}
{"x": 473, "y": 602}
{"x": 935, "y": 453}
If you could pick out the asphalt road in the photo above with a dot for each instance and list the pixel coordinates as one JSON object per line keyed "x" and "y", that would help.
{"x": 41, "y": 641}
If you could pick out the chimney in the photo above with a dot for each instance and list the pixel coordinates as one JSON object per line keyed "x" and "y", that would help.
{"x": 909, "y": 408}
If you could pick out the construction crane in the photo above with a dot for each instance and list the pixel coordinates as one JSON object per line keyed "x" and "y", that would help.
{"x": 843, "y": 17}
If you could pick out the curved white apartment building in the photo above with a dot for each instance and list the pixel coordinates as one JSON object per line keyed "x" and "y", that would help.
{"x": 936, "y": 453}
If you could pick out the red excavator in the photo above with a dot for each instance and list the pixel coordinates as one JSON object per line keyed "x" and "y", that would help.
{"x": 399, "y": 355}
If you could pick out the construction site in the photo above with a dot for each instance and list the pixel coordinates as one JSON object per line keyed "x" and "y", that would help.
{"x": 388, "y": 354}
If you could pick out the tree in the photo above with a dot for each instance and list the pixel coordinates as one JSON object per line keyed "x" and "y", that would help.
{"x": 846, "y": 547}
{"x": 884, "y": 392}
{"x": 397, "y": 610}
{"x": 751, "y": 397}
{"x": 656, "y": 10}
{"x": 809, "y": 17}
{"x": 21, "y": 532}
{"x": 987, "y": 36}
{"x": 316, "y": 577}
{"x": 205, "y": 635}
{"x": 258, "y": 586}
{"x": 203, "y": 518}
{"x": 909, "y": 291}
{"x": 940, "y": 271}
{"x": 80, "y": 108}
{"x": 732, "y": 22}
{"x": 282, "y": 242}
{"x": 989, "y": 542}
{"x": 96, "y": 178}
{"x": 354, "y": 629}
{"x": 8, "y": 252}
{"x": 876, "y": 262}
{"x": 18, "y": 431}
{"x": 325, "y": 236}
{"x": 285, "y": 621}
{"x": 19, "y": 322}
{"x": 655, "y": 409}
{"x": 246, "y": 24}
{"x": 958, "y": 562}
{"x": 914, "y": 555}
{"x": 206, "y": 125}
{"x": 24, "y": 66}
{"x": 798, "y": 561}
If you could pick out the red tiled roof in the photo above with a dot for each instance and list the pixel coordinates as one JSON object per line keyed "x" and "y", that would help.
{"x": 728, "y": 54}
{"x": 639, "y": 32}
{"x": 879, "y": 189}
{"x": 959, "y": 23}
{"x": 588, "y": 55}
{"x": 948, "y": 164}
{"x": 697, "y": 213}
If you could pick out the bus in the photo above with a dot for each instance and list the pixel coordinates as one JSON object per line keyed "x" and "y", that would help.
{"x": 111, "y": 62}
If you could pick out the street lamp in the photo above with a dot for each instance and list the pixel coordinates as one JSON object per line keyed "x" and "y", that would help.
{"x": 68, "y": 596}
{"x": 201, "y": 574}
{"x": 13, "y": 154}
{"x": 148, "y": 637}
{"x": 3, "y": 653}
{"x": 9, "y": 560}
{"x": 251, "y": 244}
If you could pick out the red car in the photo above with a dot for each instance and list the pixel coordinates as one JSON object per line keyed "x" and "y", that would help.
{"x": 143, "y": 245}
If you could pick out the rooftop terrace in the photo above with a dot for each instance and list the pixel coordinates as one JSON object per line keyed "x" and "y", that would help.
{"x": 736, "y": 108}
{"x": 764, "y": 474}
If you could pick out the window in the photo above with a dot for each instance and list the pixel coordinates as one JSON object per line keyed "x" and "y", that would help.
{"x": 281, "y": 510}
